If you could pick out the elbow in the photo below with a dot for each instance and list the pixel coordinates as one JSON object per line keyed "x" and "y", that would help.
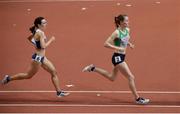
{"x": 30, "y": 37}
{"x": 43, "y": 46}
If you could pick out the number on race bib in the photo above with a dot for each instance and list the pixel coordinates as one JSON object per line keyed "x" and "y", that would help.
{"x": 117, "y": 59}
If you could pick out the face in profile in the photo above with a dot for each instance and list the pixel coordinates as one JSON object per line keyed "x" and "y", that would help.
{"x": 43, "y": 24}
{"x": 125, "y": 23}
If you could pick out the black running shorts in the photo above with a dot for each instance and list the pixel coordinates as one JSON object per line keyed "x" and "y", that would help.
{"x": 117, "y": 58}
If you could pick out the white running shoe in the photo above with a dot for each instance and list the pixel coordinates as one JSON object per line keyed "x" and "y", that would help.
{"x": 62, "y": 94}
{"x": 142, "y": 101}
{"x": 5, "y": 80}
{"x": 88, "y": 68}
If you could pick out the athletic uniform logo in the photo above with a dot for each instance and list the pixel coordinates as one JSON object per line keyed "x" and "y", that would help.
{"x": 38, "y": 58}
{"x": 123, "y": 38}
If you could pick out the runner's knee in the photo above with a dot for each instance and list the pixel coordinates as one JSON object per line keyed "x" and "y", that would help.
{"x": 131, "y": 77}
{"x": 112, "y": 77}
{"x": 54, "y": 73}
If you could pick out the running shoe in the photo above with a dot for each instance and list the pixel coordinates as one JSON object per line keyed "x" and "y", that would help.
{"x": 142, "y": 101}
{"x": 89, "y": 68}
{"x": 62, "y": 94}
{"x": 5, "y": 80}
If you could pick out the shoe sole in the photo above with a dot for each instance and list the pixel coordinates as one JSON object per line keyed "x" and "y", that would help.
{"x": 4, "y": 80}
{"x": 86, "y": 69}
{"x": 143, "y": 103}
{"x": 64, "y": 95}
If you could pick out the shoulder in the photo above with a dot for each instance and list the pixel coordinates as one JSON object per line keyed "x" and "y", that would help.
{"x": 115, "y": 33}
{"x": 39, "y": 33}
{"x": 128, "y": 29}
{"x": 113, "y": 36}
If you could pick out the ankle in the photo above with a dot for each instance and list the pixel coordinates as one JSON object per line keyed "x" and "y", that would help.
{"x": 58, "y": 92}
{"x": 93, "y": 68}
{"x": 8, "y": 78}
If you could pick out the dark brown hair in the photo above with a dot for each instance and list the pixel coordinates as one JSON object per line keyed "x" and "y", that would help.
{"x": 36, "y": 22}
{"x": 120, "y": 18}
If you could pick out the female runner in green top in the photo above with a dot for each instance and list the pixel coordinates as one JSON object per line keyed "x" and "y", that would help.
{"x": 118, "y": 41}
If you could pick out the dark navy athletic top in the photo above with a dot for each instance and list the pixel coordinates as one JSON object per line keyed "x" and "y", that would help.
{"x": 37, "y": 42}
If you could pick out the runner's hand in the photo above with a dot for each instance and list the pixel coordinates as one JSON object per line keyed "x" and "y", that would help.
{"x": 53, "y": 38}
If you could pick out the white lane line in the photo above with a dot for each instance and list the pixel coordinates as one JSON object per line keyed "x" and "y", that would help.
{"x": 81, "y": 105}
{"x": 91, "y": 113}
{"x": 27, "y": 1}
{"x": 145, "y": 92}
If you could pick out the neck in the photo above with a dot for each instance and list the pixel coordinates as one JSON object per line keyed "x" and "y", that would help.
{"x": 40, "y": 29}
{"x": 122, "y": 28}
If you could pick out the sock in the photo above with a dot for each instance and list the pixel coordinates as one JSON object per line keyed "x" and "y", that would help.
{"x": 59, "y": 92}
{"x": 93, "y": 68}
{"x": 8, "y": 78}
{"x": 138, "y": 99}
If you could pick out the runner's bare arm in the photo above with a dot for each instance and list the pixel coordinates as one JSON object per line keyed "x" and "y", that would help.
{"x": 109, "y": 42}
{"x": 130, "y": 45}
{"x": 30, "y": 38}
{"x": 49, "y": 41}
{"x": 42, "y": 41}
